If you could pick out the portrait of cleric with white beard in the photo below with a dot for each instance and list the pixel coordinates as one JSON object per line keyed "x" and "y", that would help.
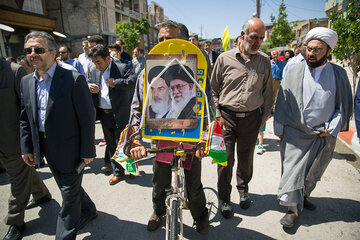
{"x": 182, "y": 93}
{"x": 160, "y": 94}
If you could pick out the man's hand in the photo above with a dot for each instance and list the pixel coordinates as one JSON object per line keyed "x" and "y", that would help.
{"x": 110, "y": 81}
{"x": 87, "y": 160}
{"x": 221, "y": 122}
{"x": 93, "y": 88}
{"x": 137, "y": 150}
{"x": 325, "y": 134}
{"x": 200, "y": 150}
{"x": 28, "y": 159}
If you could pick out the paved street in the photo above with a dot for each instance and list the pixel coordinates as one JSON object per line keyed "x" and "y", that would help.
{"x": 124, "y": 209}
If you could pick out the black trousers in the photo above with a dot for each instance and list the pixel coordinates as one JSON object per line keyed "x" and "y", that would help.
{"x": 111, "y": 134}
{"x": 24, "y": 180}
{"x": 76, "y": 203}
{"x": 194, "y": 188}
{"x": 243, "y": 132}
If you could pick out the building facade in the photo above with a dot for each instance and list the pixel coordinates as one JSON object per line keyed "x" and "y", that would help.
{"x": 76, "y": 19}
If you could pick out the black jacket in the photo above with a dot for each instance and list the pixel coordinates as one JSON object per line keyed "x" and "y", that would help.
{"x": 69, "y": 120}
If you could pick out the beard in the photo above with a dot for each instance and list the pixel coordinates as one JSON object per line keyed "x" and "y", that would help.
{"x": 248, "y": 48}
{"x": 178, "y": 104}
{"x": 318, "y": 63}
{"x": 161, "y": 107}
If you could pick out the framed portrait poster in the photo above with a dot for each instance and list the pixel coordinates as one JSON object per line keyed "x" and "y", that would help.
{"x": 173, "y": 97}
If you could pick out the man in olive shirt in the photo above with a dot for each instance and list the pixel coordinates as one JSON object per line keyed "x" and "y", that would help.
{"x": 242, "y": 89}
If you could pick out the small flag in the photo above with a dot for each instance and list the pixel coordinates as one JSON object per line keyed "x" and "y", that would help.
{"x": 121, "y": 158}
{"x": 225, "y": 38}
{"x": 215, "y": 144}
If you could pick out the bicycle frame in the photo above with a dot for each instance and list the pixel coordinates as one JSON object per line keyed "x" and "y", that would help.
{"x": 176, "y": 194}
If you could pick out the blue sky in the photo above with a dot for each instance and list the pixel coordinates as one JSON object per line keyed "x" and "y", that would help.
{"x": 213, "y": 15}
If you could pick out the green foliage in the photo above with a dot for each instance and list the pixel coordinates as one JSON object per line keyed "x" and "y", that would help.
{"x": 347, "y": 26}
{"x": 130, "y": 32}
{"x": 282, "y": 33}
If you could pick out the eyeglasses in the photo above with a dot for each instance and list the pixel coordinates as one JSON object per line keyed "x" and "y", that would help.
{"x": 62, "y": 52}
{"x": 316, "y": 50}
{"x": 37, "y": 50}
{"x": 178, "y": 87}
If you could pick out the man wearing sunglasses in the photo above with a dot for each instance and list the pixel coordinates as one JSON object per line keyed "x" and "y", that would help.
{"x": 314, "y": 104}
{"x": 57, "y": 120}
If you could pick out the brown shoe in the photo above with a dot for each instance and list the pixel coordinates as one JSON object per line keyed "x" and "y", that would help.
{"x": 202, "y": 225}
{"x": 154, "y": 222}
{"x": 115, "y": 179}
{"x": 309, "y": 205}
{"x": 289, "y": 219}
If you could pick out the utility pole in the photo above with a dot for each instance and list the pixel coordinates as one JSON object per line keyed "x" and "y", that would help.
{"x": 258, "y": 8}
{"x": 201, "y": 30}
{"x": 147, "y": 35}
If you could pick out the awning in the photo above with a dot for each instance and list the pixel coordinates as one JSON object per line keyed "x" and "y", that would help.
{"x": 26, "y": 19}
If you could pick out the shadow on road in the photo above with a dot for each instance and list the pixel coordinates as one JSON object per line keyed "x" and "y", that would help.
{"x": 46, "y": 222}
{"x": 271, "y": 145}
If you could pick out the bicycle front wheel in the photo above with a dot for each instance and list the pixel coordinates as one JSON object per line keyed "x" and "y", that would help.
{"x": 212, "y": 202}
{"x": 174, "y": 223}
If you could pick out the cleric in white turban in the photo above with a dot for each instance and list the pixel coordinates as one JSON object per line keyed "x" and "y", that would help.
{"x": 313, "y": 105}
{"x": 324, "y": 34}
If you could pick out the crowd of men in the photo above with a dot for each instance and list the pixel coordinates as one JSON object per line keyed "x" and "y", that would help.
{"x": 53, "y": 104}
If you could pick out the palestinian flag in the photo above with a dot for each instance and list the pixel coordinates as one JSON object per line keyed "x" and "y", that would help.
{"x": 121, "y": 158}
{"x": 215, "y": 145}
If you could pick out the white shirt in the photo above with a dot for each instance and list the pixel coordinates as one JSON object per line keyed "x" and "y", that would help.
{"x": 104, "y": 102}
{"x": 84, "y": 60}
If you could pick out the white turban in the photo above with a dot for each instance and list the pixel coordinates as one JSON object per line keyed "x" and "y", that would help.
{"x": 324, "y": 34}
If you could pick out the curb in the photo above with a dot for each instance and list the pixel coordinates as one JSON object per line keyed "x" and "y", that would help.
{"x": 350, "y": 139}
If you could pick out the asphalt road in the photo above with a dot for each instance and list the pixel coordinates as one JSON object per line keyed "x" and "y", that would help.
{"x": 125, "y": 208}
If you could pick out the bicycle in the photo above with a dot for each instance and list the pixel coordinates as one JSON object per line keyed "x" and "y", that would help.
{"x": 176, "y": 199}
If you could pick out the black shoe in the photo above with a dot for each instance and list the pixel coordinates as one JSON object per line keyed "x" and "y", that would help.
{"x": 154, "y": 222}
{"x": 85, "y": 220}
{"x": 245, "y": 201}
{"x": 35, "y": 203}
{"x": 226, "y": 209}
{"x": 15, "y": 232}
{"x": 202, "y": 225}
{"x": 309, "y": 205}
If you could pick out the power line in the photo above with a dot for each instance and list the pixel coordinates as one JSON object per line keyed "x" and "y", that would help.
{"x": 286, "y": 9}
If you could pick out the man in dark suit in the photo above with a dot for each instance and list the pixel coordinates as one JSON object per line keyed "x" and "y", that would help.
{"x": 24, "y": 180}
{"x": 212, "y": 54}
{"x": 111, "y": 96}
{"x": 57, "y": 120}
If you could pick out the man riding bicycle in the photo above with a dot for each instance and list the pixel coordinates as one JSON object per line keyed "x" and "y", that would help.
{"x": 162, "y": 171}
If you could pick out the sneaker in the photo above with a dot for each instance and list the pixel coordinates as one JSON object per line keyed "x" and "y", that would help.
{"x": 245, "y": 201}
{"x": 102, "y": 143}
{"x": 259, "y": 149}
{"x": 226, "y": 209}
